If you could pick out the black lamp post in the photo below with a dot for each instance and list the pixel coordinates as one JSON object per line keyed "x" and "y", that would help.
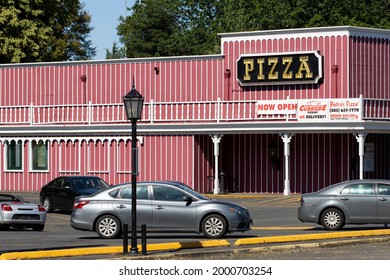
{"x": 134, "y": 102}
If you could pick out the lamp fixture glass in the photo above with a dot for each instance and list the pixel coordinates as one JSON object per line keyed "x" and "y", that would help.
{"x": 134, "y": 103}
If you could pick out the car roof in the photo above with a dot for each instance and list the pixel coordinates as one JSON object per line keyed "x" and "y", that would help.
{"x": 79, "y": 176}
{"x": 172, "y": 183}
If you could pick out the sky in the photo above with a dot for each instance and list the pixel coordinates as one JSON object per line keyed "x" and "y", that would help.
{"x": 105, "y": 18}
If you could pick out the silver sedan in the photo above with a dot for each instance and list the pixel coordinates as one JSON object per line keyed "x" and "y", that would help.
{"x": 162, "y": 207}
{"x": 350, "y": 202}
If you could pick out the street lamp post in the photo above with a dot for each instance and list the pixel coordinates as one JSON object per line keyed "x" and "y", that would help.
{"x": 133, "y": 102}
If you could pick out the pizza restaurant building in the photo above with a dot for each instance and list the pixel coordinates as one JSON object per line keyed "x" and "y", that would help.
{"x": 279, "y": 111}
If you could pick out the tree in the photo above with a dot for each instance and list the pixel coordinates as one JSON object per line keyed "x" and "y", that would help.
{"x": 147, "y": 32}
{"x": 22, "y": 30}
{"x": 115, "y": 52}
{"x": 191, "y": 27}
{"x": 70, "y": 31}
{"x": 44, "y": 30}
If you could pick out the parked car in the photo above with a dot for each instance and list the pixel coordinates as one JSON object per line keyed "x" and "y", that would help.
{"x": 59, "y": 194}
{"x": 349, "y": 202}
{"x": 162, "y": 207}
{"x": 14, "y": 212}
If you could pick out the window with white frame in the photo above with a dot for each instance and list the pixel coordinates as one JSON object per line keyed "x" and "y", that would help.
{"x": 39, "y": 155}
{"x": 14, "y": 155}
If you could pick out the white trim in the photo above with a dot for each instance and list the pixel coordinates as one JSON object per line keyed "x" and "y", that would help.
{"x": 60, "y": 170}
{"x": 106, "y": 155}
{"x": 5, "y": 149}
{"x": 118, "y": 157}
{"x": 31, "y": 170}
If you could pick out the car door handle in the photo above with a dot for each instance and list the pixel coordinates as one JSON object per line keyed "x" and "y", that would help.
{"x": 344, "y": 198}
{"x": 159, "y": 207}
{"x": 121, "y": 206}
{"x": 382, "y": 199}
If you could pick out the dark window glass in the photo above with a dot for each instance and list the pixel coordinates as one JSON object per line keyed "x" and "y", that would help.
{"x": 383, "y": 189}
{"x": 359, "y": 189}
{"x": 39, "y": 155}
{"x": 167, "y": 194}
{"x": 142, "y": 192}
{"x": 14, "y": 155}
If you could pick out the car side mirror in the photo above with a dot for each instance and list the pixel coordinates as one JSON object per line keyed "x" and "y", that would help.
{"x": 188, "y": 199}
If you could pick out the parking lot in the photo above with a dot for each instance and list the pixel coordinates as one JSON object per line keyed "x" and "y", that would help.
{"x": 273, "y": 216}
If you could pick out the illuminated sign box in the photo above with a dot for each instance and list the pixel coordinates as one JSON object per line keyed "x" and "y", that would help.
{"x": 279, "y": 68}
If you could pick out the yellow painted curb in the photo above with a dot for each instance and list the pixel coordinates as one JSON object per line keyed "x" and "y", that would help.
{"x": 306, "y": 237}
{"x": 110, "y": 250}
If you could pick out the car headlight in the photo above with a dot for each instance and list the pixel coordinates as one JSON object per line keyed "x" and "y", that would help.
{"x": 237, "y": 210}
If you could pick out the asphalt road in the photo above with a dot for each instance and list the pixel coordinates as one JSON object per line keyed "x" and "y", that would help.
{"x": 273, "y": 215}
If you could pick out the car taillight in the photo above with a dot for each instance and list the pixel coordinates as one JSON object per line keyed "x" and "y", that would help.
{"x": 6, "y": 207}
{"x": 41, "y": 208}
{"x": 80, "y": 204}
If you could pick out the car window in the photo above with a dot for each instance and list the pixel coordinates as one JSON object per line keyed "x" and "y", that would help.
{"x": 90, "y": 183}
{"x": 66, "y": 183}
{"x": 167, "y": 193}
{"x": 359, "y": 189}
{"x": 6, "y": 198}
{"x": 142, "y": 192}
{"x": 383, "y": 189}
{"x": 57, "y": 183}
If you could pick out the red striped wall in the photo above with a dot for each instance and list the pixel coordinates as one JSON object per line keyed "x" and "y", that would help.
{"x": 160, "y": 158}
{"x": 370, "y": 64}
{"x": 182, "y": 79}
{"x": 334, "y": 50}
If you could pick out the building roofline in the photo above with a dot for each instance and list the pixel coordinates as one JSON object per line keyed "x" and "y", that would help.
{"x": 350, "y": 30}
{"x": 115, "y": 61}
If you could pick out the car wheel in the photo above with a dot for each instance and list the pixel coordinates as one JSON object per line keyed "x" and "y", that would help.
{"x": 108, "y": 227}
{"x": 47, "y": 204}
{"x": 214, "y": 226}
{"x": 38, "y": 227}
{"x": 332, "y": 219}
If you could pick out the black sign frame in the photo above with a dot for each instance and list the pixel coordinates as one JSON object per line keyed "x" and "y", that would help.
{"x": 279, "y": 68}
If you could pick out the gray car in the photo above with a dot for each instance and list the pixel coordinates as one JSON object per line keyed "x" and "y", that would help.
{"x": 14, "y": 212}
{"x": 162, "y": 207}
{"x": 350, "y": 202}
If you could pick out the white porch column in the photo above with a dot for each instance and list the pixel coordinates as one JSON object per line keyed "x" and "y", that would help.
{"x": 286, "y": 140}
{"x": 360, "y": 137}
{"x": 216, "y": 140}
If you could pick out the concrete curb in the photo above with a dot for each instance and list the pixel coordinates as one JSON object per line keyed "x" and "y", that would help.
{"x": 177, "y": 246}
{"x": 174, "y": 246}
{"x": 307, "y": 237}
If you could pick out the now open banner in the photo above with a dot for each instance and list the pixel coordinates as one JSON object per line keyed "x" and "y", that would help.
{"x": 307, "y": 110}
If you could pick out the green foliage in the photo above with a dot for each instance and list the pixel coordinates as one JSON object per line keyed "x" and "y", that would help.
{"x": 148, "y": 32}
{"x": 43, "y": 30}
{"x": 191, "y": 27}
{"x": 116, "y": 52}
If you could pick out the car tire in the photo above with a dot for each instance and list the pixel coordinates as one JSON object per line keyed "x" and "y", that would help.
{"x": 332, "y": 219}
{"x": 38, "y": 227}
{"x": 47, "y": 204}
{"x": 214, "y": 226}
{"x": 108, "y": 227}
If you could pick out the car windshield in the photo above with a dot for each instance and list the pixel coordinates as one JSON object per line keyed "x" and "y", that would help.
{"x": 6, "y": 198}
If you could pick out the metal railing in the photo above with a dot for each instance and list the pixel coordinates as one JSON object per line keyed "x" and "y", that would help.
{"x": 154, "y": 112}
